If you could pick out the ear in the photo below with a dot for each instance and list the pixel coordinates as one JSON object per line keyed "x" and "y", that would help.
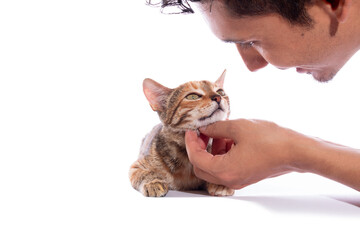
{"x": 156, "y": 94}
{"x": 220, "y": 81}
{"x": 340, "y": 8}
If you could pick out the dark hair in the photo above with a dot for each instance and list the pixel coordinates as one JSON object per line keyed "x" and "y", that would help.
{"x": 182, "y": 5}
{"x": 293, "y": 11}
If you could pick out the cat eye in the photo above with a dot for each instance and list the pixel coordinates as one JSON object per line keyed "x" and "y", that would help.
{"x": 192, "y": 96}
{"x": 221, "y": 92}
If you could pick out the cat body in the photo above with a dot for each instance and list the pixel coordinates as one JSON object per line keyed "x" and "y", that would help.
{"x": 163, "y": 163}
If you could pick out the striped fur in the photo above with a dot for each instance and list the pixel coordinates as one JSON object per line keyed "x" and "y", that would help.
{"x": 163, "y": 163}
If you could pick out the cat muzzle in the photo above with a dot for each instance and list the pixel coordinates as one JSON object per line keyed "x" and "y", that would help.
{"x": 212, "y": 114}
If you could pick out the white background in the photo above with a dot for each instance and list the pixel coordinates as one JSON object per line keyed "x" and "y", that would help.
{"x": 72, "y": 117}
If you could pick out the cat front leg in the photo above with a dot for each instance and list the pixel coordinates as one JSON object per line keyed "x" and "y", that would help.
{"x": 155, "y": 188}
{"x": 147, "y": 181}
{"x": 219, "y": 190}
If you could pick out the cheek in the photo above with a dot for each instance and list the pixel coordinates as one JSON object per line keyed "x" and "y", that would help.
{"x": 295, "y": 53}
{"x": 198, "y": 108}
{"x": 192, "y": 104}
{"x": 292, "y": 51}
{"x": 281, "y": 58}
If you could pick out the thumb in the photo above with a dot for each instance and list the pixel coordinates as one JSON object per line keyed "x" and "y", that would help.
{"x": 221, "y": 129}
{"x": 195, "y": 148}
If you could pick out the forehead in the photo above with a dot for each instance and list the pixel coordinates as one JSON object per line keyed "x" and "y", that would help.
{"x": 230, "y": 28}
{"x": 200, "y": 86}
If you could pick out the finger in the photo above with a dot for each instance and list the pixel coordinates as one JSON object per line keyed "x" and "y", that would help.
{"x": 199, "y": 141}
{"x": 197, "y": 153}
{"x": 206, "y": 176}
{"x": 221, "y": 129}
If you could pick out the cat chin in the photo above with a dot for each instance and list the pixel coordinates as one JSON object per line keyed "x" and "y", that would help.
{"x": 218, "y": 116}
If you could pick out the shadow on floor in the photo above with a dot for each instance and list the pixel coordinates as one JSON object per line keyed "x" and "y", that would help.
{"x": 309, "y": 204}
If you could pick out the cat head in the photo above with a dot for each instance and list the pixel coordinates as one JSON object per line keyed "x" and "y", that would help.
{"x": 189, "y": 106}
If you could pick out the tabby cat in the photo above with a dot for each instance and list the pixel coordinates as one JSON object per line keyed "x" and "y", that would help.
{"x": 163, "y": 163}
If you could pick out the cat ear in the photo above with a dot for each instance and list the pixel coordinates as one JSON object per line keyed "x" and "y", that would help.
{"x": 220, "y": 81}
{"x": 156, "y": 94}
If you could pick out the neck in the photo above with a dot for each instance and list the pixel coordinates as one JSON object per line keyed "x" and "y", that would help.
{"x": 174, "y": 135}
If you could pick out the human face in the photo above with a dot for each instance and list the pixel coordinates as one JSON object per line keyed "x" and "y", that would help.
{"x": 271, "y": 39}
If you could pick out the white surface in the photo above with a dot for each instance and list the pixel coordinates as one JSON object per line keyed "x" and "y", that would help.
{"x": 72, "y": 116}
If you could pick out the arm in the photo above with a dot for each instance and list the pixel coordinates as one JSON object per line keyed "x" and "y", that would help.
{"x": 333, "y": 161}
{"x": 263, "y": 149}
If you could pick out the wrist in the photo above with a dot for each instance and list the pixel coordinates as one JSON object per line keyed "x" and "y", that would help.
{"x": 313, "y": 155}
{"x": 302, "y": 153}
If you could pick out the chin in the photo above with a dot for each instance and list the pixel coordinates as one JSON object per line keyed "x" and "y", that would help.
{"x": 323, "y": 77}
{"x": 217, "y": 116}
{"x": 319, "y": 75}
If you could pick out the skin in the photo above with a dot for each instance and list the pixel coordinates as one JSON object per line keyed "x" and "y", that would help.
{"x": 248, "y": 151}
{"x": 320, "y": 50}
{"x": 262, "y": 150}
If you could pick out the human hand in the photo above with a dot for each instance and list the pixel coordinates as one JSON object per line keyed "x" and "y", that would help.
{"x": 244, "y": 152}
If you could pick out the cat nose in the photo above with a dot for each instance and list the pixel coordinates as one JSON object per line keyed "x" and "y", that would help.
{"x": 216, "y": 98}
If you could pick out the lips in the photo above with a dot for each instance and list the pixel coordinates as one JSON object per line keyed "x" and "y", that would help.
{"x": 303, "y": 70}
{"x": 212, "y": 114}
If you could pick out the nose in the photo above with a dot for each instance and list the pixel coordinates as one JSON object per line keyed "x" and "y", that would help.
{"x": 216, "y": 98}
{"x": 252, "y": 59}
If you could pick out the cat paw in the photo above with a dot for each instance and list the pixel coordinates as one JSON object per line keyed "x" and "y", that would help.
{"x": 155, "y": 189}
{"x": 219, "y": 190}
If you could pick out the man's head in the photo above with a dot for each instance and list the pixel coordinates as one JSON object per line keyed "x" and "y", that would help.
{"x": 293, "y": 11}
{"x": 314, "y": 36}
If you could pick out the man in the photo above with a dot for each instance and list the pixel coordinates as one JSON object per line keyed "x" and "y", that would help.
{"x": 314, "y": 36}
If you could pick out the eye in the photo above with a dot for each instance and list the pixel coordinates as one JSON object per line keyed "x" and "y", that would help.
{"x": 247, "y": 45}
{"x": 192, "y": 96}
{"x": 221, "y": 92}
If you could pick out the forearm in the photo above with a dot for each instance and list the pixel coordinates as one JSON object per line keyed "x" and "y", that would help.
{"x": 330, "y": 160}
